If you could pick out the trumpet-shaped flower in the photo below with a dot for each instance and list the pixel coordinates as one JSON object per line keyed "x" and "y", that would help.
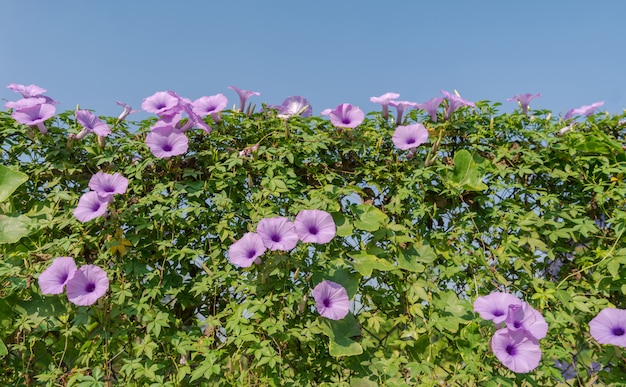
{"x": 409, "y": 136}
{"x": 295, "y": 106}
{"x": 90, "y": 206}
{"x": 194, "y": 120}
{"x": 106, "y": 185}
{"x": 518, "y": 350}
{"x": 34, "y": 115}
{"x": 31, "y": 91}
{"x": 127, "y": 110}
{"x": 384, "y": 101}
{"x": 91, "y": 123}
{"x": 401, "y": 106}
{"x": 609, "y": 327}
{"x": 332, "y": 300}
{"x": 214, "y": 104}
{"x": 55, "y": 277}
{"x": 315, "y": 226}
{"x": 243, "y": 95}
{"x": 166, "y": 141}
{"x": 431, "y": 107}
{"x": 586, "y": 110}
{"x": 162, "y": 103}
{"x": 523, "y": 316}
{"x": 495, "y": 306}
{"x": 346, "y": 116}
{"x": 246, "y": 250}
{"x": 277, "y": 233}
{"x": 454, "y": 103}
{"x": 88, "y": 284}
{"x": 524, "y": 100}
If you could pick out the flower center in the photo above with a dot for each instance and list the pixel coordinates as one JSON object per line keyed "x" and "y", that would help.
{"x": 618, "y": 331}
{"x": 275, "y": 238}
{"x": 109, "y": 188}
{"x": 346, "y": 120}
{"x": 95, "y": 206}
{"x": 498, "y": 313}
{"x": 167, "y": 148}
{"x": 251, "y": 254}
{"x": 326, "y": 302}
{"x": 410, "y": 140}
{"x": 313, "y": 230}
{"x": 63, "y": 278}
{"x": 517, "y": 324}
{"x": 511, "y": 350}
{"x": 90, "y": 287}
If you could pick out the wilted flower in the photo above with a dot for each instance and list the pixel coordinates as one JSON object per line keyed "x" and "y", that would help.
{"x": 55, "y": 277}
{"x": 166, "y": 141}
{"x": 91, "y": 123}
{"x": 409, "y": 136}
{"x": 495, "y": 306}
{"x": 90, "y": 206}
{"x": 384, "y": 100}
{"x": 88, "y": 284}
{"x": 246, "y": 250}
{"x": 106, "y": 185}
{"x": 315, "y": 226}
{"x": 524, "y": 100}
{"x": 431, "y": 107}
{"x": 243, "y": 95}
{"x": 401, "y": 106}
{"x": 518, "y": 350}
{"x": 346, "y": 116}
{"x": 586, "y": 110}
{"x": 295, "y": 106}
{"x": 277, "y": 233}
{"x": 127, "y": 110}
{"x": 609, "y": 327}
{"x": 194, "y": 120}
{"x": 454, "y": 102}
{"x": 331, "y": 300}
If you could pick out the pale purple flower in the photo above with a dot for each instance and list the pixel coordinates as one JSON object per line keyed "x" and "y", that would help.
{"x": 246, "y": 250}
{"x": 523, "y": 316}
{"x": 90, "y": 206}
{"x": 88, "y": 284}
{"x": 295, "y": 106}
{"x": 162, "y": 103}
{"x": 53, "y": 279}
{"x": 609, "y": 327}
{"x": 31, "y": 91}
{"x": 127, "y": 110}
{"x": 431, "y": 107}
{"x": 325, "y": 112}
{"x": 243, "y": 95}
{"x": 346, "y": 116}
{"x": 277, "y": 233}
{"x": 106, "y": 185}
{"x": 194, "y": 120}
{"x": 332, "y": 300}
{"x": 34, "y": 115}
{"x": 166, "y": 141}
{"x": 495, "y": 306}
{"x": 518, "y": 350}
{"x": 212, "y": 105}
{"x": 401, "y": 106}
{"x": 585, "y": 110}
{"x": 454, "y": 103}
{"x": 384, "y": 100}
{"x": 410, "y": 136}
{"x": 25, "y": 102}
{"x": 315, "y": 226}
{"x": 524, "y": 100}
{"x": 91, "y": 123}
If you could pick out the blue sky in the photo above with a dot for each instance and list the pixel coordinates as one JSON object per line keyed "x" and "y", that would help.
{"x": 94, "y": 53}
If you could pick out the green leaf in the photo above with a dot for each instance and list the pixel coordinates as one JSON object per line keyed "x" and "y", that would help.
{"x": 468, "y": 171}
{"x": 362, "y": 382}
{"x": 369, "y": 218}
{"x": 340, "y": 333}
{"x": 344, "y": 227}
{"x": 3, "y": 349}
{"x": 343, "y": 346}
{"x": 12, "y": 229}
{"x": 364, "y": 263}
{"x": 9, "y": 181}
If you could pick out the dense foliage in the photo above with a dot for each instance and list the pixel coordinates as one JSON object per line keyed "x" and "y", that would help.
{"x": 493, "y": 201}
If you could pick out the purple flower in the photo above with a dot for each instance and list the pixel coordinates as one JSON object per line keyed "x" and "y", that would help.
{"x": 401, "y": 106}
{"x": 53, "y": 279}
{"x": 431, "y": 107}
{"x": 127, "y": 110}
{"x": 90, "y": 206}
{"x": 194, "y": 120}
{"x": 212, "y": 105}
{"x": 384, "y": 100}
{"x": 518, "y": 350}
{"x": 609, "y": 327}
{"x": 295, "y": 106}
{"x": 88, "y": 284}
{"x": 31, "y": 91}
{"x": 34, "y": 115}
{"x": 586, "y": 110}
{"x": 315, "y": 226}
{"x": 91, "y": 123}
{"x": 346, "y": 116}
{"x": 331, "y": 300}
{"x": 243, "y": 95}
{"x": 166, "y": 141}
{"x": 277, "y": 233}
{"x": 524, "y": 100}
{"x": 106, "y": 185}
{"x": 523, "y": 316}
{"x": 162, "y": 103}
{"x": 454, "y": 103}
{"x": 246, "y": 250}
{"x": 410, "y": 136}
{"x": 495, "y": 306}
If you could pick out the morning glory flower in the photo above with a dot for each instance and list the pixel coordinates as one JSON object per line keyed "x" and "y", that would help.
{"x": 384, "y": 100}
{"x": 609, "y": 327}
{"x": 166, "y": 141}
{"x": 243, "y": 95}
{"x": 346, "y": 116}
{"x": 315, "y": 226}
{"x": 55, "y": 277}
{"x": 410, "y": 136}
{"x": 454, "y": 103}
{"x": 431, "y": 107}
{"x": 523, "y": 316}
{"x": 495, "y": 306}
{"x": 88, "y": 284}
{"x": 277, "y": 233}
{"x": 162, "y": 103}
{"x": 212, "y": 105}
{"x": 524, "y": 100}
{"x": 194, "y": 120}
{"x": 295, "y": 106}
{"x": 586, "y": 110}
{"x": 246, "y": 250}
{"x": 518, "y": 350}
{"x": 31, "y": 91}
{"x": 332, "y": 300}
{"x": 401, "y": 106}
{"x": 91, "y": 123}
{"x": 127, "y": 110}
{"x": 106, "y": 185}
{"x": 90, "y": 206}
{"x": 24, "y": 102}
{"x": 34, "y": 115}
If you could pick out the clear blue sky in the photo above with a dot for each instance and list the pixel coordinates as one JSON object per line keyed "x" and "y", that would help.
{"x": 93, "y": 53}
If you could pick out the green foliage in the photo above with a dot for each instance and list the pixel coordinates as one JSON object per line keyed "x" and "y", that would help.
{"x": 493, "y": 202}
